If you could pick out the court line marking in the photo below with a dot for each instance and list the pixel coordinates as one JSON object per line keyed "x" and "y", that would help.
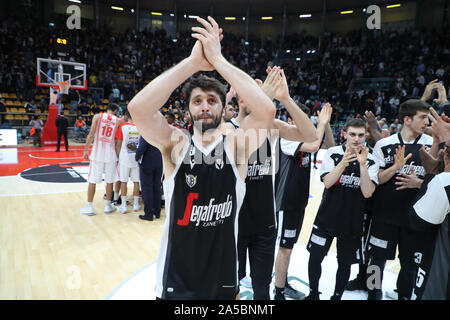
{"x": 40, "y": 194}
{"x": 127, "y": 280}
{"x": 31, "y": 156}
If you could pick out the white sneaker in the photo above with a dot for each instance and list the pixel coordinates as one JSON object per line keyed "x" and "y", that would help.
{"x": 136, "y": 207}
{"x": 89, "y": 211}
{"x": 393, "y": 294}
{"x": 109, "y": 208}
{"x": 123, "y": 209}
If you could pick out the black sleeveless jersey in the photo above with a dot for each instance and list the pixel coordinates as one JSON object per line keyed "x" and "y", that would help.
{"x": 197, "y": 258}
{"x": 292, "y": 191}
{"x": 258, "y": 209}
{"x": 389, "y": 205}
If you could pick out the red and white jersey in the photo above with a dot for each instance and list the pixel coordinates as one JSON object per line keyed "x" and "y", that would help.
{"x": 104, "y": 141}
{"x": 129, "y": 135}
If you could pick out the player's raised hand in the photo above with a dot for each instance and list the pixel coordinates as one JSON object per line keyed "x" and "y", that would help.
{"x": 399, "y": 157}
{"x": 429, "y": 89}
{"x": 362, "y": 156}
{"x": 325, "y": 113}
{"x": 348, "y": 157}
{"x": 198, "y": 58}
{"x": 442, "y": 95}
{"x": 210, "y": 36}
{"x": 371, "y": 120}
{"x": 439, "y": 126}
{"x": 282, "y": 93}
{"x": 272, "y": 82}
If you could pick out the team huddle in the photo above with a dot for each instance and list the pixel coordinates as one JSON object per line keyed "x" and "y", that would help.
{"x": 232, "y": 186}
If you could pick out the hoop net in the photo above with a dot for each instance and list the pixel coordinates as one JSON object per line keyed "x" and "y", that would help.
{"x": 63, "y": 87}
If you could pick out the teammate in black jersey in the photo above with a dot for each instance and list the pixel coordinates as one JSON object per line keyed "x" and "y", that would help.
{"x": 292, "y": 194}
{"x": 204, "y": 174}
{"x": 349, "y": 173}
{"x": 373, "y": 134}
{"x": 429, "y": 215}
{"x": 257, "y": 220}
{"x": 401, "y": 174}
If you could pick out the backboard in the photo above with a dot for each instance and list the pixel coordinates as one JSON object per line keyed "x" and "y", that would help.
{"x": 50, "y": 72}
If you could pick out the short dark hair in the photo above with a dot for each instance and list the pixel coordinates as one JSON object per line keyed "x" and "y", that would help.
{"x": 113, "y": 107}
{"x": 354, "y": 122}
{"x": 170, "y": 114}
{"x": 205, "y": 83}
{"x": 127, "y": 113}
{"x": 410, "y": 107}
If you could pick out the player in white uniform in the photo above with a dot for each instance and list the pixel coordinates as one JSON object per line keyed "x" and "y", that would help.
{"x": 127, "y": 139}
{"x": 103, "y": 156}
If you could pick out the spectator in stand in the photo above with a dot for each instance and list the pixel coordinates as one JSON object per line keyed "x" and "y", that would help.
{"x": 95, "y": 108}
{"x": 395, "y": 127}
{"x": 80, "y": 127}
{"x": 83, "y": 108}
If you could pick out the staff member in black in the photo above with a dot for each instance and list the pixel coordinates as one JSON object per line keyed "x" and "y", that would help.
{"x": 150, "y": 173}
{"x": 61, "y": 125}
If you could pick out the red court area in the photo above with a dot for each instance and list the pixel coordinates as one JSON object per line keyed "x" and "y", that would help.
{"x": 14, "y": 160}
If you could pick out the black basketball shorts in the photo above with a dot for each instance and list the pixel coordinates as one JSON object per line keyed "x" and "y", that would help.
{"x": 348, "y": 249}
{"x": 291, "y": 225}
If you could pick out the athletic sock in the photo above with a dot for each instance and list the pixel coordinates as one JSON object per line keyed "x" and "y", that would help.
{"x": 136, "y": 199}
{"x": 116, "y": 196}
{"x": 124, "y": 200}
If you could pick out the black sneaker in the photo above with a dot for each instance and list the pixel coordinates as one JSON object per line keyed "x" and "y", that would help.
{"x": 313, "y": 295}
{"x": 375, "y": 294}
{"x": 356, "y": 284}
{"x": 336, "y": 297}
{"x": 144, "y": 217}
{"x": 292, "y": 293}
{"x": 279, "y": 296}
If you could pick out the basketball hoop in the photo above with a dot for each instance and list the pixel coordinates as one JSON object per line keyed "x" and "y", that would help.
{"x": 63, "y": 87}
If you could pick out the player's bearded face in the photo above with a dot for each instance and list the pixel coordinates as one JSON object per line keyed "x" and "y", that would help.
{"x": 206, "y": 109}
{"x": 206, "y": 121}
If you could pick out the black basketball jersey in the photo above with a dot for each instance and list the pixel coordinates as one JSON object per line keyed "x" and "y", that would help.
{"x": 257, "y": 213}
{"x": 292, "y": 191}
{"x": 197, "y": 258}
{"x": 389, "y": 205}
{"x": 429, "y": 217}
{"x": 341, "y": 211}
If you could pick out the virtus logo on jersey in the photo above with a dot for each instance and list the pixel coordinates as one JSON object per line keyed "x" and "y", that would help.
{"x": 209, "y": 215}
{"x": 191, "y": 180}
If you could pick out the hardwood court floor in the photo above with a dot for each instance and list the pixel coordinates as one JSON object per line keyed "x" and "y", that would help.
{"x": 50, "y": 251}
